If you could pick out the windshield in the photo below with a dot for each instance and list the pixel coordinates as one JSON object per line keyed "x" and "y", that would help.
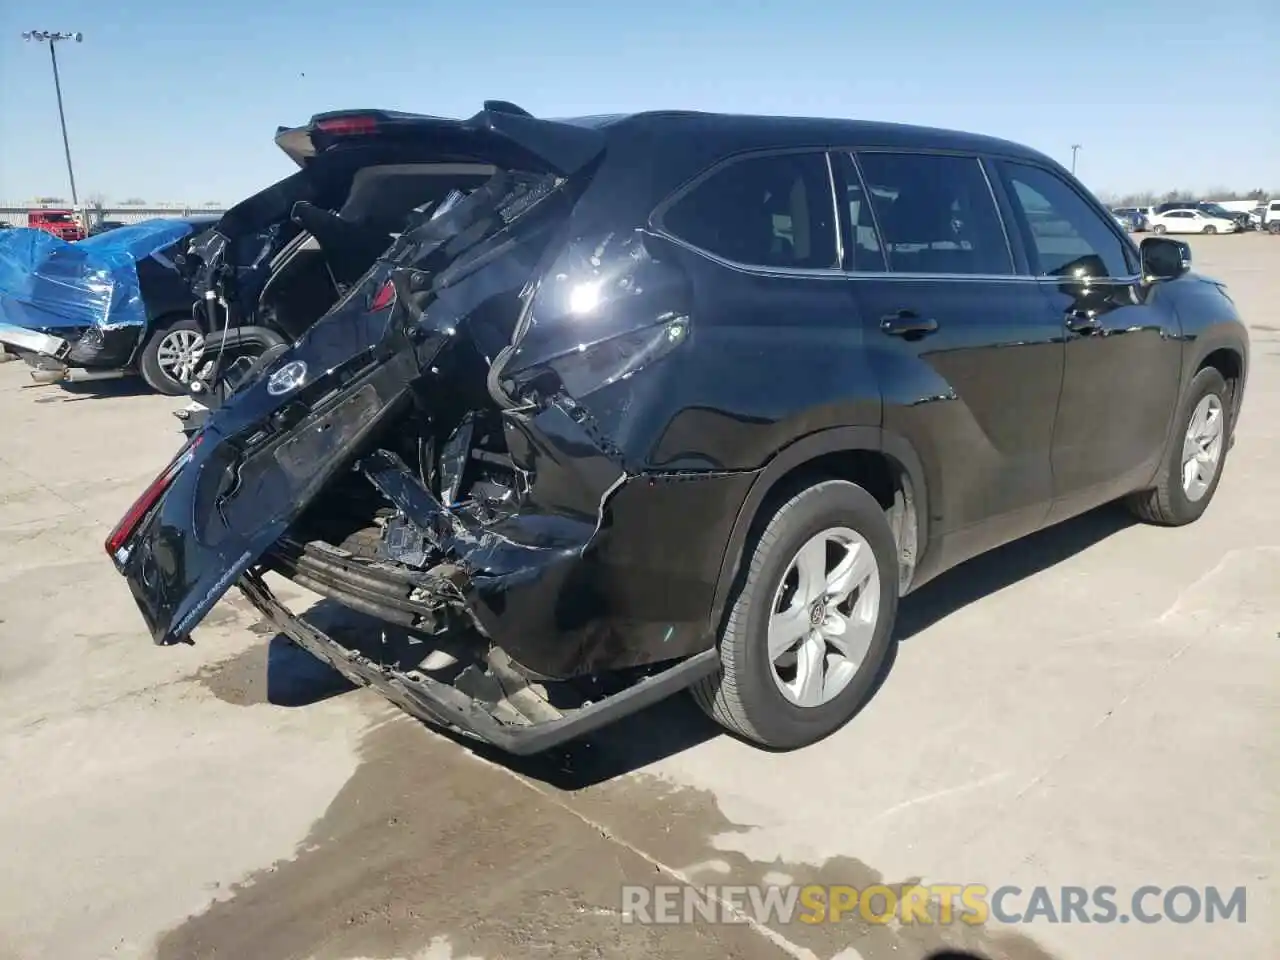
{"x": 1216, "y": 211}
{"x": 54, "y": 217}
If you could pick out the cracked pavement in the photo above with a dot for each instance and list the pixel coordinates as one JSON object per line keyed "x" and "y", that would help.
{"x": 1098, "y": 704}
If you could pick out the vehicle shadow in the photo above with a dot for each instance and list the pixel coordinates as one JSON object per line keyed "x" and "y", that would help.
{"x": 1005, "y": 566}
{"x": 295, "y": 678}
{"x": 95, "y": 390}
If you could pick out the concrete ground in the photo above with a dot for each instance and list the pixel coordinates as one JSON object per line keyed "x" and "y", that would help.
{"x": 1096, "y": 705}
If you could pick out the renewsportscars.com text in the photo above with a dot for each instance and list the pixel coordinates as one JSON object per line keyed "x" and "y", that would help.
{"x": 931, "y": 904}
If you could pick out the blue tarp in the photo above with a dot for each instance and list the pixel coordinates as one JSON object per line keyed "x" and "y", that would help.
{"x": 47, "y": 283}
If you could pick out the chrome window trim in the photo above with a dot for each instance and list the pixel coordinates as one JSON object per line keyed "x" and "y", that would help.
{"x": 834, "y": 273}
{"x": 852, "y": 157}
{"x": 991, "y": 277}
{"x": 655, "y": 225}
{"x": 659, "y": 229}
{"x": 995, "y": 202}
{"x": 835, "y": 208}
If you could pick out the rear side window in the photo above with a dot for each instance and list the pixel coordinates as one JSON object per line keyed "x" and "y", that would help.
{"x": 769, "y": 211}
{"x": 936, "y": 214}
{"x": 1066, "y": 235}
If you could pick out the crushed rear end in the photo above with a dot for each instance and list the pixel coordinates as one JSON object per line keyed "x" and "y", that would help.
{"x": 433, "y": 454}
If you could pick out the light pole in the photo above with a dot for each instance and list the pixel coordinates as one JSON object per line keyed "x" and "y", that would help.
{"x": 1075, "y": 148}
{"x": 53, "y": 38}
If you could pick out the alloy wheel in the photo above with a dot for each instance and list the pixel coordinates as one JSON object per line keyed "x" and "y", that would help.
{"x": 824, "y": 616}
{"x": 1202, "y": 447}
{"x": 179, "y": 353}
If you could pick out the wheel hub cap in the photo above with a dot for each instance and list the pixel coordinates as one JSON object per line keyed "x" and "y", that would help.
{"x": 824, "y": 617}
{"x": 179, "y": 354}
{"x": 1202, "y": 447}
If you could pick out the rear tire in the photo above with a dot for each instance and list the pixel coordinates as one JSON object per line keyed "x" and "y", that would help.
{"x": 167, "y": 355}
{"x": 778, "y": 700}
{"x": 1159, "y": 228}
{"x": 1179, "y": 498}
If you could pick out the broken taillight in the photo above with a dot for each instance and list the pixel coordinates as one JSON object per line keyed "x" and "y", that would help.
{"x": 128, "y": 524}
{"x": 348, "y": 126}
{"x": 385, "y": 296}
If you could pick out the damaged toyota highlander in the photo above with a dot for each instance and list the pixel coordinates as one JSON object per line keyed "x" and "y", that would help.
{"x": 613, "y": 407}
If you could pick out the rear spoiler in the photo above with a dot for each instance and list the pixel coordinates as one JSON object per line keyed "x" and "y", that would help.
{"x": 501, "y": 134}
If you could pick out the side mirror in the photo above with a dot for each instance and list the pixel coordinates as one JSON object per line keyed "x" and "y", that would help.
{"x": 1164, "y": 259}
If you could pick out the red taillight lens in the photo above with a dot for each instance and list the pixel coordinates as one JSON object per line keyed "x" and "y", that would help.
{"x": 348, "y": 126}
{"x": 142, "y": 506}
{"x": 383, "y": 298}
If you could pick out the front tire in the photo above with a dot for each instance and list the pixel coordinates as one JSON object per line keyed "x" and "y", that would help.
{"x": 808, "y": 637}
{"x": 1193, "y": 465}
{"x": 172, "y": 356}
{"x": 1159, "y": 228}
{"x": 1210, "y": 229}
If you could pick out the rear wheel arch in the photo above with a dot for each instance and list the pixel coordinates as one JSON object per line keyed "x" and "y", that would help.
{"x": 885, "y": 465}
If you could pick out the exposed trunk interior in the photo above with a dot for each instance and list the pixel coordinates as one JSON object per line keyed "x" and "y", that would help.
{"x": 354, "y": 548}
{"x": 351, "y": 544}
{"x": 309, "y": 275}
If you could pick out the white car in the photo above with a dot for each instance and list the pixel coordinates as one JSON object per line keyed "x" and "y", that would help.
{"x": 1191, "y": 221}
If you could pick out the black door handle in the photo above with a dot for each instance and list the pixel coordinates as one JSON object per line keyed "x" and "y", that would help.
{"x": 1082, "y": 321}
{"x": 908, "y": 324}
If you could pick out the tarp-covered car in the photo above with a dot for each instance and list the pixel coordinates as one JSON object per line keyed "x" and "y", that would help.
{"x": 113, "y": 303}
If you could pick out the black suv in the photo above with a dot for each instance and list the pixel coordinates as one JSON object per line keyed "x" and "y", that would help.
{"x": 639, "y": 403}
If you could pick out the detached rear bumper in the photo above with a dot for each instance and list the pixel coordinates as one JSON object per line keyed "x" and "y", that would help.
{"x": 32, "y": 341}
{"x": 444, "y": 705}
{"x": 82, "y": 348}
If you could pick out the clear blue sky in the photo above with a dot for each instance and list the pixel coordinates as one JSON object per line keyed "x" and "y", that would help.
{"x": 178, "y": 101}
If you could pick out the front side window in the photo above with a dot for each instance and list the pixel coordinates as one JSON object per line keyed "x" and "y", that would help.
{"x": 766, "y": 211}
{"x": 1067, "y": 237}
{"x": 936, "y": 214}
